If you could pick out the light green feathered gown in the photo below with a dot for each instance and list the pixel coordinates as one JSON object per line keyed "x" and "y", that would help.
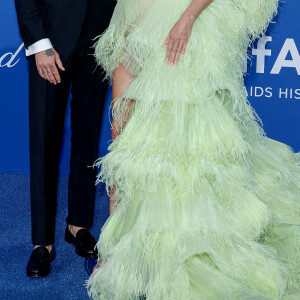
{"x": 209, "y": 207}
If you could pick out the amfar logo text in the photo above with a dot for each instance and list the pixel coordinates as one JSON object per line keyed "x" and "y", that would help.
{"x": 289, "y": 47}
{"x": 288, "y": 57}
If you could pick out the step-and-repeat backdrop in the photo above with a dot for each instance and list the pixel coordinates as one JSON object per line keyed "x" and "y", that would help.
{"x": 272, "y": 84}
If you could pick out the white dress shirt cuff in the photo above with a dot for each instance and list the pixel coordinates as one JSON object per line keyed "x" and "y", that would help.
{"x": 39, "y": 46}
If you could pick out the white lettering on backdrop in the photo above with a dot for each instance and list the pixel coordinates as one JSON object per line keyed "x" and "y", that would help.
{"x": 261, "y": 52}
{"x": 288, "y": 57}
{"x": 9, "y": 59}
{"x": 281, "y": 62}
{"x": 289, "y": 47}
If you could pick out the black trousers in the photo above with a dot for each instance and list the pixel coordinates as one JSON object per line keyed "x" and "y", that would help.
{"x": 47, "y": 108}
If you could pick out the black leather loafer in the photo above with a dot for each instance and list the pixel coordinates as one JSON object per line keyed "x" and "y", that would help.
{"x": 39, "y": 262}
{"x": 84, "y": 242}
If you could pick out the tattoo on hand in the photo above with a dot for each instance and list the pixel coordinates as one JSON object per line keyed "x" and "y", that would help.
{"x": 49, "y": 53}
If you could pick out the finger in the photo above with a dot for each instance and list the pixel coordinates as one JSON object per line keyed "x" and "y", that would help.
{"x": 55, "y": 73}
{"x": 59, "y": 62}
{"x": 51, "y": 75}
{"x": 46, "y": 72}
{"x": 166, "y": 41}
{"x": 40, "y": 71}
{"x": 174, "y": 50}
{"x": 183, "y": 49}
{"x": 178, "y": 53}
{"x": 169, "y": 49}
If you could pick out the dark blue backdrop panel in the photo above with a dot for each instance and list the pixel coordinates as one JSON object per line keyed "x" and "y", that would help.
{"x": 272, "y": 85}
{"x": 273, "y": 82}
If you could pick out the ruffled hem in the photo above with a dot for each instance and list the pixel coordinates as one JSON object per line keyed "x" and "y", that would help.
{"x": 177, "y": 264}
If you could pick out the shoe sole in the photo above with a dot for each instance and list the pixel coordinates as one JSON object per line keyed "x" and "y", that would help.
{"x": 38, "y": 275}
{"x": 82, "y": 254}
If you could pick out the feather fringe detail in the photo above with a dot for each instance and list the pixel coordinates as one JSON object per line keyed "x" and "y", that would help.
{"x": 210, "y": 66}
{"x": 208, "y": 206}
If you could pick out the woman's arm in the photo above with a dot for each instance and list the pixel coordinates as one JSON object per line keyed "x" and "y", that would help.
{"x": 180, "y": 33}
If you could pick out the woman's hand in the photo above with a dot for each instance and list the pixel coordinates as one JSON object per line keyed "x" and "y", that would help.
{"x": 178, "y": 38}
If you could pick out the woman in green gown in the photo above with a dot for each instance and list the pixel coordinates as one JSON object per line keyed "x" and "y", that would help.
{"x": 206, "y": 206}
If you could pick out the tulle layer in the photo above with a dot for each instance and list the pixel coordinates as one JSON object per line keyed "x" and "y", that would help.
{"x": 208, "y": 206}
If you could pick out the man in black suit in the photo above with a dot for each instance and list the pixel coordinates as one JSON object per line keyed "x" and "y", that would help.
{"x": 58, "y": 37}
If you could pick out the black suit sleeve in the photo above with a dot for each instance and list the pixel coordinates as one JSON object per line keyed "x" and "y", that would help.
{"x": 30, "y": 21}
{"x": 99, "y": 15}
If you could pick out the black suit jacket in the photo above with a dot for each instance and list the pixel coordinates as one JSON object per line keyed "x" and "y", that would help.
{"x": 62, "y": 21}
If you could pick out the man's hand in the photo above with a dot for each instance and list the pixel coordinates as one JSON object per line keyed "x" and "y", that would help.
{"x": 47, "y": 63}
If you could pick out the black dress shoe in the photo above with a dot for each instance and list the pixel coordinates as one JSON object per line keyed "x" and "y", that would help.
{"x": 84, "y": 242}
{"x": 39, "y": 262}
